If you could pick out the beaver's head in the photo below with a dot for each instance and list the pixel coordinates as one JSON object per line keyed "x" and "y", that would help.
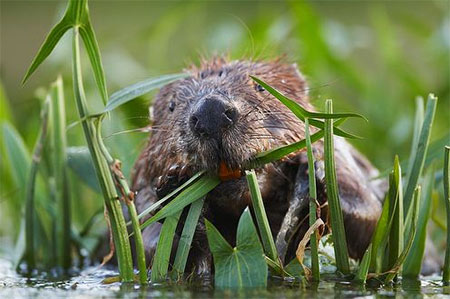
{"x": 219, "y": 114}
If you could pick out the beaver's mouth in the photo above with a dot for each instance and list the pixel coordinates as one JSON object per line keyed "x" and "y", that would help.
{"x": 226, "y": 173}
{"x": 226, "y": 162}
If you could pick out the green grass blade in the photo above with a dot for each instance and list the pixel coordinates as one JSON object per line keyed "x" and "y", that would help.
{"x": 384, "y": 225}
{"x": 363, "y": 270}
{"x": 91, "y": 45}
{"x": 413, "y": 215}
{"x": 18, "y": 156}
{"x": 312, "y": 204}
{"x": 381, "y": 231}
{"x": 280, "y": 152}
{"x": 298, "y": 110}
{"x": 396, "y": 214}
{"x": 170, "y": 195}
{"x": 421, "y": 153}
{"x": 261, "y": 216}
{"x": 19, "y": 160}
{"x": 80, "y": 161}
{"x": 5, "y": 109}
{"x": 418, "y": 120}
{"x": 30, "y": 211}
{"x": 76, "y": 10}
{"x": 337, "y": 220}
{"x": 59, "y": 172}
{"x": 446, "y": 273}
{"x": 118, "y": 225}
{"x": 160, "y": 265}
{"x": 184, "y": 244}
{"x": 302, "y": 113}
{"x": 413, "y": 262}
{"x": 193, "y": 192}
{"x": 47, "y": 47}
{"x": 138, "y": 89}
{"x": 139, "y": 242}
{"x": 336, "y": 129}
{"x": 128, "y": 197}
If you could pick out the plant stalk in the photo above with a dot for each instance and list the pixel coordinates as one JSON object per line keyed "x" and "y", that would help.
{"x": 446, "y": 274}
{"x": 337, "y": 220}
{"x": 59, "y": 173}
{"x": 128, "y": 196}
{"x": 29, "y": 208}
{"x": 113, "y": 207}
{"x": 312, "y": 205}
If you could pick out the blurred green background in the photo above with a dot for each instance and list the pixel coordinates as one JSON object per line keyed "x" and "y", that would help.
{"x": 372, "y": 58}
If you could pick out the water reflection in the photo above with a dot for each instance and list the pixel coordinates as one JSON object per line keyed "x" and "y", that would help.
{"x": 89, "y": 283}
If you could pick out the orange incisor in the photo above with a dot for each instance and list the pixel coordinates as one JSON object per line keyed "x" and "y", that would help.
{"x": 226, "y": 174}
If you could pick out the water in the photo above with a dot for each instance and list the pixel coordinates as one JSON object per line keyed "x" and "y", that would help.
{"x": 88, "y": 283}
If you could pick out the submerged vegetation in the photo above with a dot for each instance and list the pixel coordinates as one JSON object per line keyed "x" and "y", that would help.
{"x": 51, "y": 241}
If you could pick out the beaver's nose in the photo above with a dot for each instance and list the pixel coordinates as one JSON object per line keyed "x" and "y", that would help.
{"x": 211, "y": 117}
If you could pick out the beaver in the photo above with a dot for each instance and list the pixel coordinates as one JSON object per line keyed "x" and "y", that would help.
{"x": 219, "y": 116}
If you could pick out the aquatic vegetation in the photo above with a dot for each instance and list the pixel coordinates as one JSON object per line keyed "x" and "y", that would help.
{"x": 397, "y": 244}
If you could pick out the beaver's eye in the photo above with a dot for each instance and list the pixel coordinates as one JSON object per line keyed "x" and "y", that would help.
{"x": 259, "y": 88}
{"x": 220, "y": 73}
{"x": 171, "y": 105}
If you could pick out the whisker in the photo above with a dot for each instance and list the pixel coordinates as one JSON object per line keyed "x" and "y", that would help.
{"x": 140, "y": 130}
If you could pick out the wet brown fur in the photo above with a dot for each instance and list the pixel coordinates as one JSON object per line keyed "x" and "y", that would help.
{"x": 173, "y": 154}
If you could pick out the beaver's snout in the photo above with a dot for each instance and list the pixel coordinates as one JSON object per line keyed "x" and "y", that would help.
{"x": 211, "y": 117}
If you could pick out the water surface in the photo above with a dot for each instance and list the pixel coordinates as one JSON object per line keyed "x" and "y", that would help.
{"x": 88, "y": 283}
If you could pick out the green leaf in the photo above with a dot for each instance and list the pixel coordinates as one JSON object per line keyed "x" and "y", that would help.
{"x": 30, "y": 211}
{"x": 302, "y": 113}
{"x": 280, "y": 152}
{"x": 413, "y": 262}
{"x": 261, "y": 216}
{"x": 277, "y": 267}
{"x": 242, "y": 266}
{"x": 412, "y": 215}
{"x": 170, "y": 195}
{"x": 80, "y": 161}
{"x": 446, "y": 274}
{"x": 161, "y": 259}
{"x": 380, "y": 234}
{"x": 195, "y": 191}
{"x": 138, "y": 89}
{"x": 294, "y": 268}
{"x": 76, "y": 10}
{"x": 312, "y": 204}
{"x": 184, "y": 244}
{"x": 90, "y": 42}
{"x": 17, "y": 155}
{"x": 421, "y": 153}
{"x": 363, "y": 269}
{"x": 47, "y": 47}
{"x": 418, "y": 120}
{"x": 5, "y": 110}
{"x": 395, "y": 243}
{"x": 336, "y": 218}
{"x": 58, "y": 170}
{"x": 103, "y": 171}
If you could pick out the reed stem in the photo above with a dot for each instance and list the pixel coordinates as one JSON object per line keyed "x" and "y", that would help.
{"x": 113, "y": 207}
{"x": 337, "y": 220}
{"x": 30, "y": 188}
{"x": 446, "y": 274}
{"x": 128, "y": 197}
{"x": 312, "y": 204}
